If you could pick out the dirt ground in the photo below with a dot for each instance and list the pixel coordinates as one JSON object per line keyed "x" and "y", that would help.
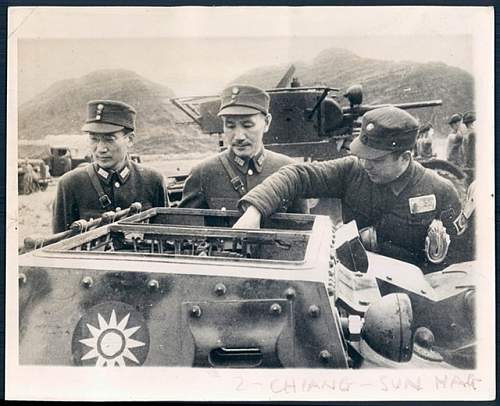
{"x": 35, "y": 210}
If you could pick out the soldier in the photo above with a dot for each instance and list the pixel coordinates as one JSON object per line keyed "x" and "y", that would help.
{"x": 454, "y": 152}
{"x": 469, "y": 142}
{"x": 220, "y": 181}
{"x": 424, "y": 142}
{"x": 391, "y": 196}
{"x": 113, "y": 180}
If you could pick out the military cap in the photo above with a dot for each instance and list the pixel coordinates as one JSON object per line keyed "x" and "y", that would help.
{"x": 106, "y": 116}
{"x": 469, "y": 117}
{"x": 455, "y": 118}
{"x": 385, "y": 130}
{"x": 243, "y": 99}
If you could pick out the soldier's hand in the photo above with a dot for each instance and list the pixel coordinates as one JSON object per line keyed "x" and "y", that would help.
{"x": 250, "y": 219}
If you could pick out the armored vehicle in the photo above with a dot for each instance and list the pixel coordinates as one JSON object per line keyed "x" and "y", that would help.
{"x": 180, "y": 287}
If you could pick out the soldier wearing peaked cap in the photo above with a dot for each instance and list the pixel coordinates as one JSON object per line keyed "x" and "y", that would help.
{"x": 393, "y": 199}
{"x": 220, "y": 181}
{"x": 112, "y": 180}
{"x": 454, "y": 150}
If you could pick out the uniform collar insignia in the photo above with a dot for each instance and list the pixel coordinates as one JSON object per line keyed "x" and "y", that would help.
{"x": 258, "y": 160}
{"x": 106, "y": 175}
{"x": 103, "y": 173}
{"x": 244, "y": 164}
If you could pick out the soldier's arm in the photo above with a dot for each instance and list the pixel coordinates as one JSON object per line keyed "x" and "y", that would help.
{"x": 193, "y": 195}
{"x": 318, "y": 179}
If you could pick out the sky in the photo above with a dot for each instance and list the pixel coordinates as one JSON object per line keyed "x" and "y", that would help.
{"x": 197, "y": 51}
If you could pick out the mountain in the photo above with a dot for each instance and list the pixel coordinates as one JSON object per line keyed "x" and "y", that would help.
{"x": 382, "y": 81}
{"x": 61, "y": 109}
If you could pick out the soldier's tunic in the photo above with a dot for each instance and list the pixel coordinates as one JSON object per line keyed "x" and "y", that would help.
{"x": 400, "y": 211}
{"x": 209, "y": 186}
{"x": 77, "y": 198}
{"x": 454, "y": 150}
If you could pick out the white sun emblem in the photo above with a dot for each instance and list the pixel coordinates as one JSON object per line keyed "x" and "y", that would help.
{"x": 111, "y": 342}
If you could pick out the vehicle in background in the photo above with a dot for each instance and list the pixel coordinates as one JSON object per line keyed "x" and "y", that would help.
{"x": 32, "y": 175}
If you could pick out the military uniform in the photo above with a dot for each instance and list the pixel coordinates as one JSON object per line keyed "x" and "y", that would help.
{"x": 87, "y": 192}
{"x": 469, "y": 142}
{"x": 400, "y": 211}
{"x": 454, "y": 149}
{"x": 220, "y": 181}
{"x": 77, "y": 199}
{"x": 209, "y": 186}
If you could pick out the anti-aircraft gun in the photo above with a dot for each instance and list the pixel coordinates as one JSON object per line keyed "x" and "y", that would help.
{"x": 309, "y": 123}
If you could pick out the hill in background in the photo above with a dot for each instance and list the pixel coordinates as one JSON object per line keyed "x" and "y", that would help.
{"x": 61, "y": 109}
{"x": 382, "y": 81}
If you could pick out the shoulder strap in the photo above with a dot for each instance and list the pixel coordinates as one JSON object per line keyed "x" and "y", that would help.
{"x": 236, "y": 181}
{"x": 103, "y": 197}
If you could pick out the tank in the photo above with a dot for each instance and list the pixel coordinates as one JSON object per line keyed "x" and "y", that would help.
{"x": 180, "y": 287}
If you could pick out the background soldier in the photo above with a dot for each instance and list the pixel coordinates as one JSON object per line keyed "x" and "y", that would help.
{"x": 454, "y": 151}
{"x": 112, "y": 180}
{"x": 220, "y": 181}
{"x": 424, "y": 142}
{"x": 381, "y": 187}
{"x": 469, "y": 143}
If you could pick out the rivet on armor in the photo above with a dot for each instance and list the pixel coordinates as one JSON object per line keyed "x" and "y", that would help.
{"x": 87, "y": 282}
{"x": 325, "y": 355}
{"x": 275, "y": 309}
{"x": 220, "y": 289}
{"x": 331, "y": 290}
{"x": 290, "y": 293}
{"x": 22, "y": 279}
{"x": 389, "y": 278}
{"x": 153, "y": 284}
{"x": 314, "y": 311}
{"x": 331, "y": 263}
{"x": 196, "y": 311}
{"x": 363, "y": 302}
{"x": 423, "y": 292}
{"x": 331, "y": 273}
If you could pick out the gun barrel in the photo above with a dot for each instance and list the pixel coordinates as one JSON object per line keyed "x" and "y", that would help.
{"x": 363, "y": 108}
{"x": 417, "y": 105}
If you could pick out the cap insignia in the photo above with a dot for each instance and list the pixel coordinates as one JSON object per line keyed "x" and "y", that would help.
{"x": 234, "y": 92}
{"x": 370, "y": 127}
{"x": 100, "y": 107}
